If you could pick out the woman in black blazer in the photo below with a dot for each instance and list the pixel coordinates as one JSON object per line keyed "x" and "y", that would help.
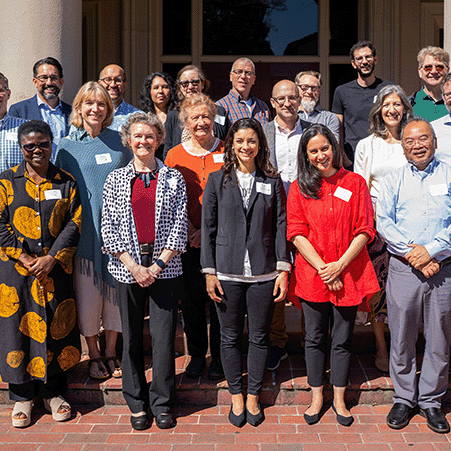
{"x": 244, "y": 257}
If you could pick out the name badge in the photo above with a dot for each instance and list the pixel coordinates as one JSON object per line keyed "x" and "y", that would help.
{"x": 374, "y": 98}
{"x": 52, "y": 194}
{"x": 172, "y": 183}
{"x": 103, "y": 158}
{"x": 264, "y": 188}
{"x": 220, "y": 119}
{"x": 343, "y": 194}
{"x": 218, "y": 157}
{"x": 11, "y": 136}
{"x": 438, "y": 190}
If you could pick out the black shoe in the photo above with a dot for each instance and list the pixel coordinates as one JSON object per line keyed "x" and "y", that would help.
{"x": 436, "y": 420}
{"x": 164, "y": 420}
{"x": 215, "y": 370}
{"x": 255, "y": 420}
{"x": 341, "y": 419}
{"x": 311, "y": 419}
{"x": 400, "y": 415}
{"x": 237, "y": 420}
{"x": 195, "y": 367}
{"x": 139, "y": 423}
{"x": 276, "y": 355}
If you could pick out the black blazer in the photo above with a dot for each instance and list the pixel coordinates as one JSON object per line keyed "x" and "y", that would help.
{"x": 28, "y": 109}
{"x": 173, "y": 135}
{"x": 227, "y": 230}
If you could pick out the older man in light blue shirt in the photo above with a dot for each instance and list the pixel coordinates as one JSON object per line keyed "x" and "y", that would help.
{"x": 414, "y": 218}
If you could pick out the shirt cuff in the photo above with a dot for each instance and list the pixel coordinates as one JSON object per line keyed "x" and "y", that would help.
{"x": 211, "y": 271}
{"x": 283, "y": 266}
{"x": 433, "y": 248}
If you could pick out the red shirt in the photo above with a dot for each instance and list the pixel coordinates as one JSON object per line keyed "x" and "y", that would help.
{"x": 143, "y": 205}
{"x": 330, "y": 224}
{"x": 195, "y": 170}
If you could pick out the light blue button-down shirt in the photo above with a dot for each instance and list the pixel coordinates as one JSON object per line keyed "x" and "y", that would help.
{"x": 122, "y": 113}
{"x": 10, "y": 153}
{"x": 55, "y": 118}
{"x": 415, "y": 207}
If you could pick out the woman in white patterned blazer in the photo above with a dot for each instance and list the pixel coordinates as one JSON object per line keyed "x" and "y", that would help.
{"x": 144, "y": 229}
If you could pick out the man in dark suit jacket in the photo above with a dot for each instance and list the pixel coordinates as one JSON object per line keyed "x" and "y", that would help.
{"x": 46, "y": 105}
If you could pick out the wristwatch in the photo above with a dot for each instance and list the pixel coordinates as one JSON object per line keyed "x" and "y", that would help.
{"x": 160, "y": 263}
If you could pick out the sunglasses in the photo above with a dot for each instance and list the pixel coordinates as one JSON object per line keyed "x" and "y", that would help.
{"x": 44, "y": 145}
{"x": 195, "y": 82}
{"x": 440, "y": 68}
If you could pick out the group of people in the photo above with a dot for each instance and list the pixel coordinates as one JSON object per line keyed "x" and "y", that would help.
{"x": 213, "y": 204}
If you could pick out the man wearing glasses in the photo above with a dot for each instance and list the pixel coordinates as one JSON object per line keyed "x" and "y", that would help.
{"x": 413, "y": 216}
{"x": 433, "y": 65}
{"x": 309, "y": 85}
{"x": 10, "y": 153}
{"x": 238, "y": 102}
{"x": 112, "y": 78}
{"x": 353, "y": 101}
{"x": 46, "y": 105}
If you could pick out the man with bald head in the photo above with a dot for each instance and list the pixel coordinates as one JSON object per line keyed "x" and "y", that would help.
{"x": 413, "y": 216}
{"x": 113, "y": 79}
{"x": 283, "y": 135}
{"x": 239, "y": 103}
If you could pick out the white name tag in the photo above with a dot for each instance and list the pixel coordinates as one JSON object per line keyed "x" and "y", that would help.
{"x": 172, "y": 183}
{"x": 343, "y": 194}
{"x": 218, "y": 157}
{"x": 374, "y": 98}
{"x": 11, "y": 136}
{"x": 103, "y": 158}
{"x": 220, "y": 119}
{"x": 51, "y": 194}
{"x": 438, "y": 190}
{"x": 264, "y": 188}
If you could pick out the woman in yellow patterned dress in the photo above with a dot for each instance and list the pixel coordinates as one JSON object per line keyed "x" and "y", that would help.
{"x": 40, "y": 220}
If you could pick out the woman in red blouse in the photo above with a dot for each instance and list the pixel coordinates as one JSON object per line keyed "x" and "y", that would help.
{"x": 330, "y": 220}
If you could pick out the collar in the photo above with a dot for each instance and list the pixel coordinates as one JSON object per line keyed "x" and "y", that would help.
{"x": 3, "y": 119}
{"x": 22, "y": 171}
{"x": 238, "y": 98}
{"x": 429, "y": 169}
{"x": 297, "y": 127}
{"x": 121, "y": 106}
{"x": 130, "y": 171}
{"x": 428, "y": 97}
{"x": 80, "y": 134}
{"x": 42, "y": 104}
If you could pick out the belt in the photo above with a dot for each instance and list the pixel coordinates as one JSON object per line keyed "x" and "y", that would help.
{"x": 146, "y": 248}
{"x": 443, "y": 263}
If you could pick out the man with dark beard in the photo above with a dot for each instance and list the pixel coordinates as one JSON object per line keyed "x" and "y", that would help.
{"x": 46, "y": 105}
{"x": 309, "y": 86}
{"x": 353, "y": 101}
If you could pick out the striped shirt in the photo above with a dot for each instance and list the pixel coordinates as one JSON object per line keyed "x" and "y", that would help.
{"x": 10, "y": 153}
{"x": 237, "y": 108}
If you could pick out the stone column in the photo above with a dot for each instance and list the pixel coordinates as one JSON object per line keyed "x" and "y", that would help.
{"x": 447, "y": 25}
{"x": 31, "y": 30}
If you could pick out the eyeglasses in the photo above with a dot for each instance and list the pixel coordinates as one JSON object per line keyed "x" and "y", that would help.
{"x": 440, "y": 68}
{"x": 239, "y": 72}
{"x": 109, "y": 80}
{"x": 46, "y": 78}
{"x": 281, "y": 100}
{"x": 195, "y": 82}
{"x": 423, "y": 140}
{"x": 305, "y": 88}
{"x": 446, "y": 95}
{"x": 44, "y": 145}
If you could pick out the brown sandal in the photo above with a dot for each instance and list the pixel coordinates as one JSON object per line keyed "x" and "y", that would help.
{"x": 117, "y": 373}
{"x": 99, "y": 361}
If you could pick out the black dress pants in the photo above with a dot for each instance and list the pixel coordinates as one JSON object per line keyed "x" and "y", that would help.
{"x": 163, "y": 297}
{"x": 194, "y": 301}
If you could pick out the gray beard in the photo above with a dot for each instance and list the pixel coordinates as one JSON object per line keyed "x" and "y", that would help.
{"x": 308, "y": 105}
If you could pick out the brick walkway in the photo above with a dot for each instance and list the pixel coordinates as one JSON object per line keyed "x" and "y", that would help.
{"x": 202, "y": 428}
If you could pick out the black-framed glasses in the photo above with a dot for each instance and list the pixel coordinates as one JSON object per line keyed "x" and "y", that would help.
{"x": 109, "y": 80}
{"x": 43, "y": 145}
{"x": 313, "y": 88}
{"x": 46, "y": 78}
{"x": 281, "y": 100}
{"x": 195, "y": 82}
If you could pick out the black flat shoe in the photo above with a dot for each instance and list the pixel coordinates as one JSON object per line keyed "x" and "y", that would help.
{"x": 341, "y": 419}
{"x": 215, "y": 370}
{"x": 195, "y": 367}
{"x": 255, "y": 420}
{"x": 139, "y": 423}
{"x": 237, "y": 420}
{"x": 164, "y": 420}
{"x": 436, "y": 420}
{"x": 399, "y": 416}
{"x": 311, "y": 419}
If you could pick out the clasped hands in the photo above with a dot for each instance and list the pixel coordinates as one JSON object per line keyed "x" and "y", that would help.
{"x": 37, "y": 266}
{"x": 420, "y": 259}
{"x": 145, "y": 276}
{"x": 330, "y": 275}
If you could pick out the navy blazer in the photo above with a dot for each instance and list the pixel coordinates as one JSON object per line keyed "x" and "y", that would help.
{"x": 28, "y": 109}
{"x": 227, "y": 229}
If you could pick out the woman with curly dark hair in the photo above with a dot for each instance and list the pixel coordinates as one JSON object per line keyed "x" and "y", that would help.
{"x": 244, "y": 256}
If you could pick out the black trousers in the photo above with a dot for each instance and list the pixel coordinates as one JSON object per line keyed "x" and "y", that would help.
{"x": 54, "y": 386}
{"x": 318, "y": 316}
{"x": 258, "y": 300}
{"x": 194, "y": 301}
{"x": 163, "y": 297}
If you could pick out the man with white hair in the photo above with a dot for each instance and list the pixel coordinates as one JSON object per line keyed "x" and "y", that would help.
{"x": 239, "y": 102}
{"x": 442, "y": 126}
{"x": 309, "y": 85}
